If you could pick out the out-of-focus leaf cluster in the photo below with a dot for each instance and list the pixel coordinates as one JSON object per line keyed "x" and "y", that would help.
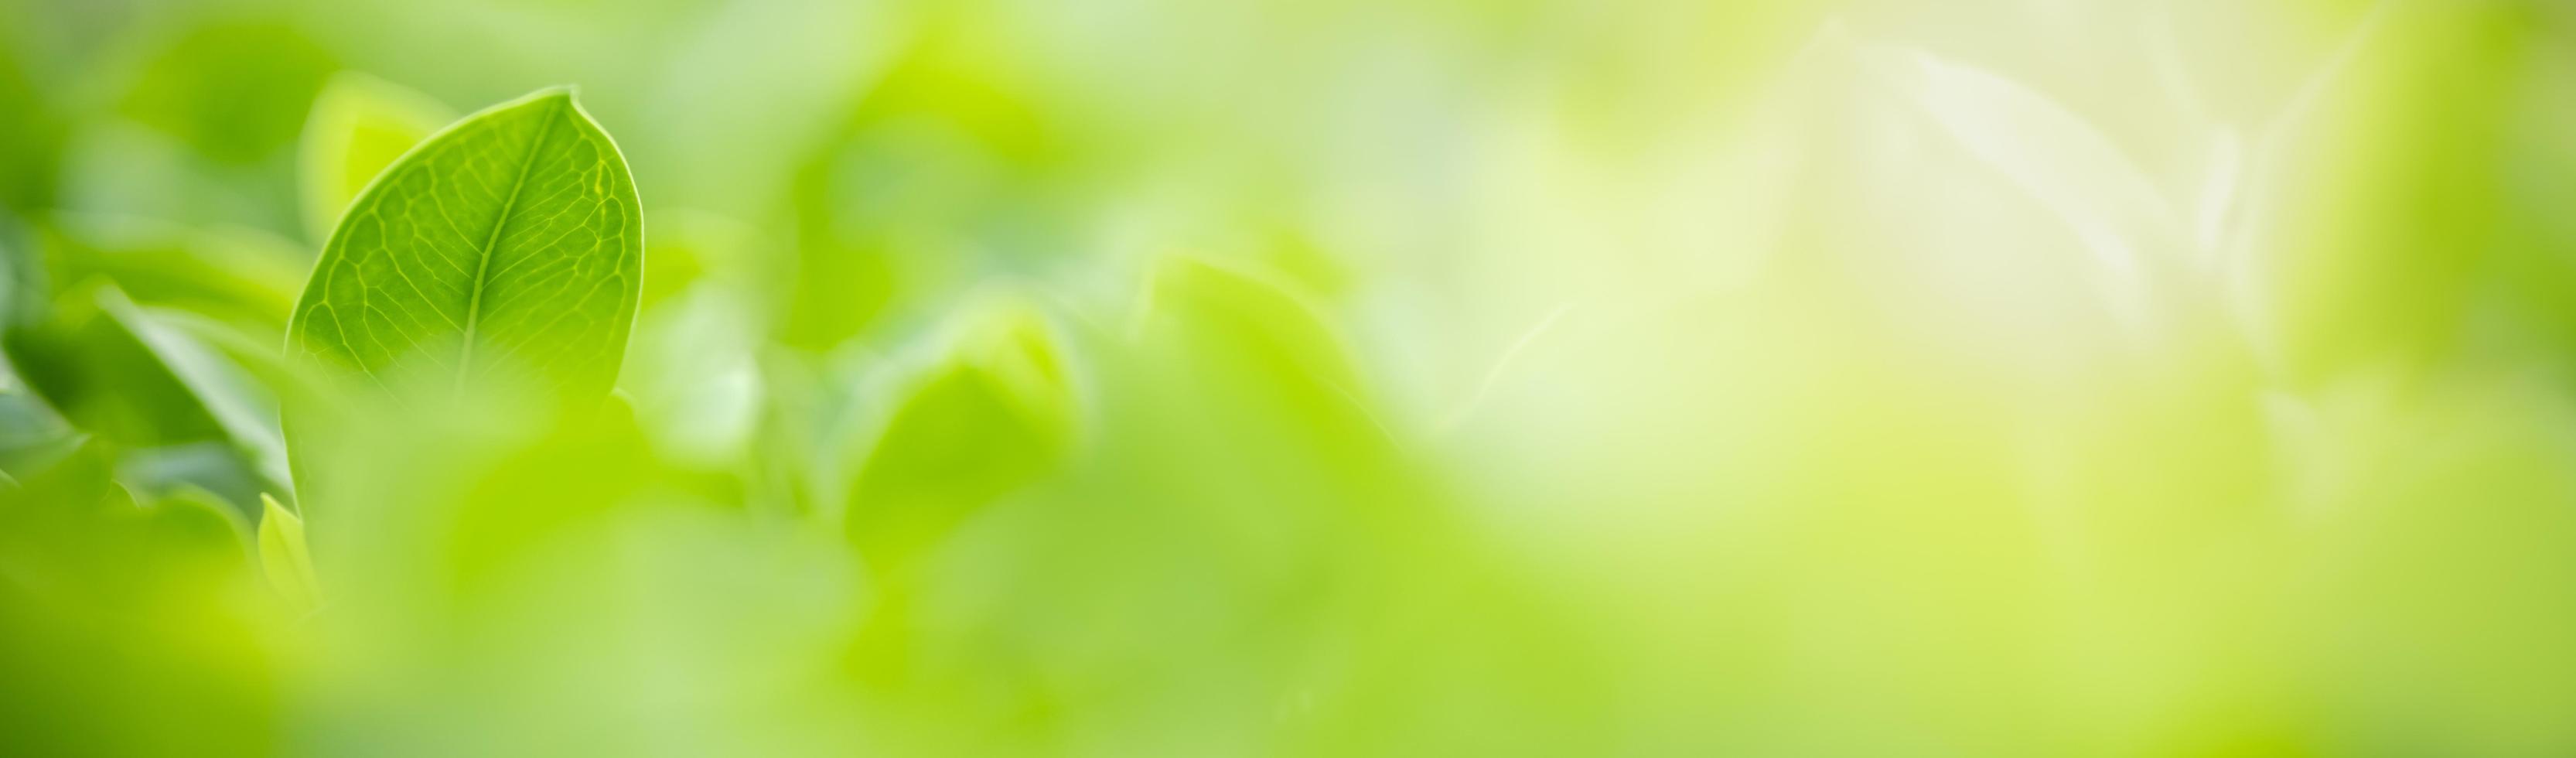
{"x": 1865, "y": 377}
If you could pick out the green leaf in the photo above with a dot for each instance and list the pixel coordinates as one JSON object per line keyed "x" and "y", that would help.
{"x": 360, "y": 125}
{"x": 193, "y": 525}
{"x": 236, "y": 275}
{"x": 1243, "y": 350}
{"x": 1251, "y": 323}
{"x": 31, "y": 432}
{"x": 508, "y": 248}
{"x": 31, "y": 148}
{"x": 182, "y": 413}
{"x": 78, "y": 474}
{"x": 992, "y": 416}
{"x": 284, "y": 557}
{"x": 93, "y": 363}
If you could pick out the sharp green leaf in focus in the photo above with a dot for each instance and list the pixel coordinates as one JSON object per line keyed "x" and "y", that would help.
{"x": 508, "y": 248}
{"x": 360, "y": 125}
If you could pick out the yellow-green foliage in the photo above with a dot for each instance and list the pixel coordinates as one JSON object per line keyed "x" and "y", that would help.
{"x": 1291, "y": 378}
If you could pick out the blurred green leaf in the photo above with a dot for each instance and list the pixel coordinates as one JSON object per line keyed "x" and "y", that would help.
{"x": 197, "y": 525}
{"x": 31, "y": 143}
{"x": 78, "y": 473}
{"x": 2128, "y": 229}
{"x": 994, "y": 414}
{"x": 1266, "y": 320}
{"x": 284, "y": 558}
{"x": 227, "y": 473}
{"x": 91, "y": 362}
{"x": 236, "y": 275}
{"x": 120, "y": 625}
{"x": 25, "y": 288}
{"x": 1247, "y": 342}
{"x": 942, "y": 162}
{"x": 29, "y": 429}
{"x": 31, "y": 432}
{"x": 360, "y": 124}
{"x": 183, "y": 415}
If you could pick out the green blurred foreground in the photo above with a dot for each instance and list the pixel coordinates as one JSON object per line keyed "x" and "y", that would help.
{"x": 1146, "y": 378}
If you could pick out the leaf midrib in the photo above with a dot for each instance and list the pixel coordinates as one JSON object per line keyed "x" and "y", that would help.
{"x": 492, "y": 241}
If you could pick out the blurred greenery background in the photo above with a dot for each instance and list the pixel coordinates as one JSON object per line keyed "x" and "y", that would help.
{"x": 1311, "y": 377}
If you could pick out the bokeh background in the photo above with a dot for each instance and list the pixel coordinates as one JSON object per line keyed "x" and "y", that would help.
{"x": 1311, "y": 377}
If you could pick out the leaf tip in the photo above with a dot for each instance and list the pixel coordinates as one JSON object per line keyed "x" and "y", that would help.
{"x": 284, "y": 557}
{"x": 565, "y": 92}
